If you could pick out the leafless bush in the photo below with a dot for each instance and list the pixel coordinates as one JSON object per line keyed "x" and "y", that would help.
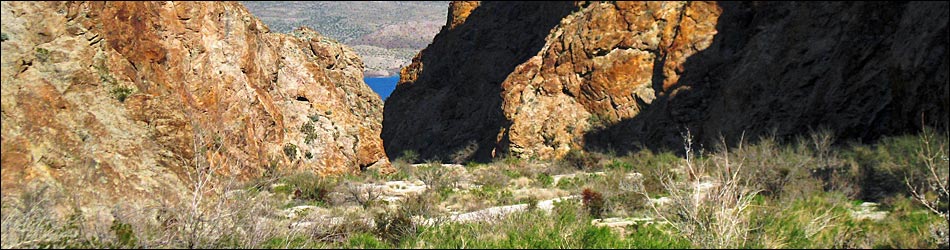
{"x": 437, "y": 176}
{"x": 27, "y": 222}
{"x": 935, "y": 194}
{"x": 826, "y": 166}
{"x": 711, "y": 205}
{"x": 490, "y": 176}
{"x": 214, "y": 215}
{"x": 206, "y": 219}
{"x": 363, "y": 194}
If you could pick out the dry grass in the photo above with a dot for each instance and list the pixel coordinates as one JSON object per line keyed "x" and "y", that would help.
{"x": 711, "y": 205}
{"x": 27, "y": 222}
{"x": 715, "y": 203}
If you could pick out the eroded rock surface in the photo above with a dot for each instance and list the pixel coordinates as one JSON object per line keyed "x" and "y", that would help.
{"x": 538, "y": 81}
{"x": 448, "y": 99}
{"x": 122, "y": 100}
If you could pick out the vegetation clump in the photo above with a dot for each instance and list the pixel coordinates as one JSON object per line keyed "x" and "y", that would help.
{"x": 799, "y": 193}
{"x": 121, "y": 92}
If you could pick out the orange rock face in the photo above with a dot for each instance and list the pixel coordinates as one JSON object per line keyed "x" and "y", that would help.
{"x": 626, "y": 75}
{"x": 447, "y": 104}
{"x": 459, "y": 11}
{"x": 597, "y": 68}
{"x": 113, "y": 100}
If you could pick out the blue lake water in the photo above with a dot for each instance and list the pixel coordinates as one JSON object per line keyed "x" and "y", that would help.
{"x": 382, "y": 85}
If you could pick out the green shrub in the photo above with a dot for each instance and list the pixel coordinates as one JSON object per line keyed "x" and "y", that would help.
{"x": 408, "y": 156}
{"x": 512, "y": 161}
{"x": 432, "y": 173}
{"x": 124, "y": 235}
{"x": 42, "y": 54}
{"x": 888, "y": 166}
{"x": 599, "y": 238}
{"x": 532, "y": 202}
{"x": 404, "y": 171}
{"x": 654, "y": 167}
{"x": 282, "y": 242}
{"x": 121, "y": 92}
{"x": 283, "y": 189}
{"x": 779, "y": 170}
{"x": 651, "y": 237}
{"x": 619, "y": 164}
{"x": 310, "y": 133}
{"x": 511, "y": 173}
{"x": 568, "y": 183}
{"x": 290, "y": 150}
{"x": 545, "y": 180}
{"x": 309, "y": 187}
{"x": 597, "y": 122}
{"x": 472, "y": 165}
{"x": 366, "y": 241}
{"x": 493, "y": 194}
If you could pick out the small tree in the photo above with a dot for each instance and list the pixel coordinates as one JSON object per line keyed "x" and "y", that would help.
{"x": 936, "y": 199}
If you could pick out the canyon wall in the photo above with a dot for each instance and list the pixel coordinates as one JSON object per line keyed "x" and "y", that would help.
{"x": 538, "y": 80}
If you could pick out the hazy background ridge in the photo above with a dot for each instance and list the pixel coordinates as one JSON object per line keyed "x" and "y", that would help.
{"x": 385, "y": 34}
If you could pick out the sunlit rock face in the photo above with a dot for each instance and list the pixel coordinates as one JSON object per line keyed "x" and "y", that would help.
{"x": 123, "y": 100}
{"x": 535, "y": 80}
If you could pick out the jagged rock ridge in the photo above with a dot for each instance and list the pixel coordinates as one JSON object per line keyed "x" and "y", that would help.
{"x": 122, "y": 100}
{"x": 626, "y": 75}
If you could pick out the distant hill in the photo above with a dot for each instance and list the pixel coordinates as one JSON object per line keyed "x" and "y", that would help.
{"x": 385, "y": 34}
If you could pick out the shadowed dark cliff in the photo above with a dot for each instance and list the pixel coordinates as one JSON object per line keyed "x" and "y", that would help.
{"x": 454, "y": 101}
{"x": 541, "y": 80}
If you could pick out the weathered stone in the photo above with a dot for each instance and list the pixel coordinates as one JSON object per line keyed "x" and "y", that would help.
{"x": 448, "y": 100}
{"x": 122, "y": 100}
{"x": 459, "y": 11}
{"x": 538, "y": 81}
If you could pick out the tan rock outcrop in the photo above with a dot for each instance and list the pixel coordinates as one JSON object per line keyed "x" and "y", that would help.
{"x": 121, "y": 100}
{"x": 448, "y": 103}
{"x": 459, "y": 11}
{"x": 598, "y": 69}
{"x": 620, "y": 76}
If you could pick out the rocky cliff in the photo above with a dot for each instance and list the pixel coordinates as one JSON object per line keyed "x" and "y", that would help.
{"x": 121, "y": 100}
{"x": 448, "y": 99}
{"x": 538, "y": 80}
